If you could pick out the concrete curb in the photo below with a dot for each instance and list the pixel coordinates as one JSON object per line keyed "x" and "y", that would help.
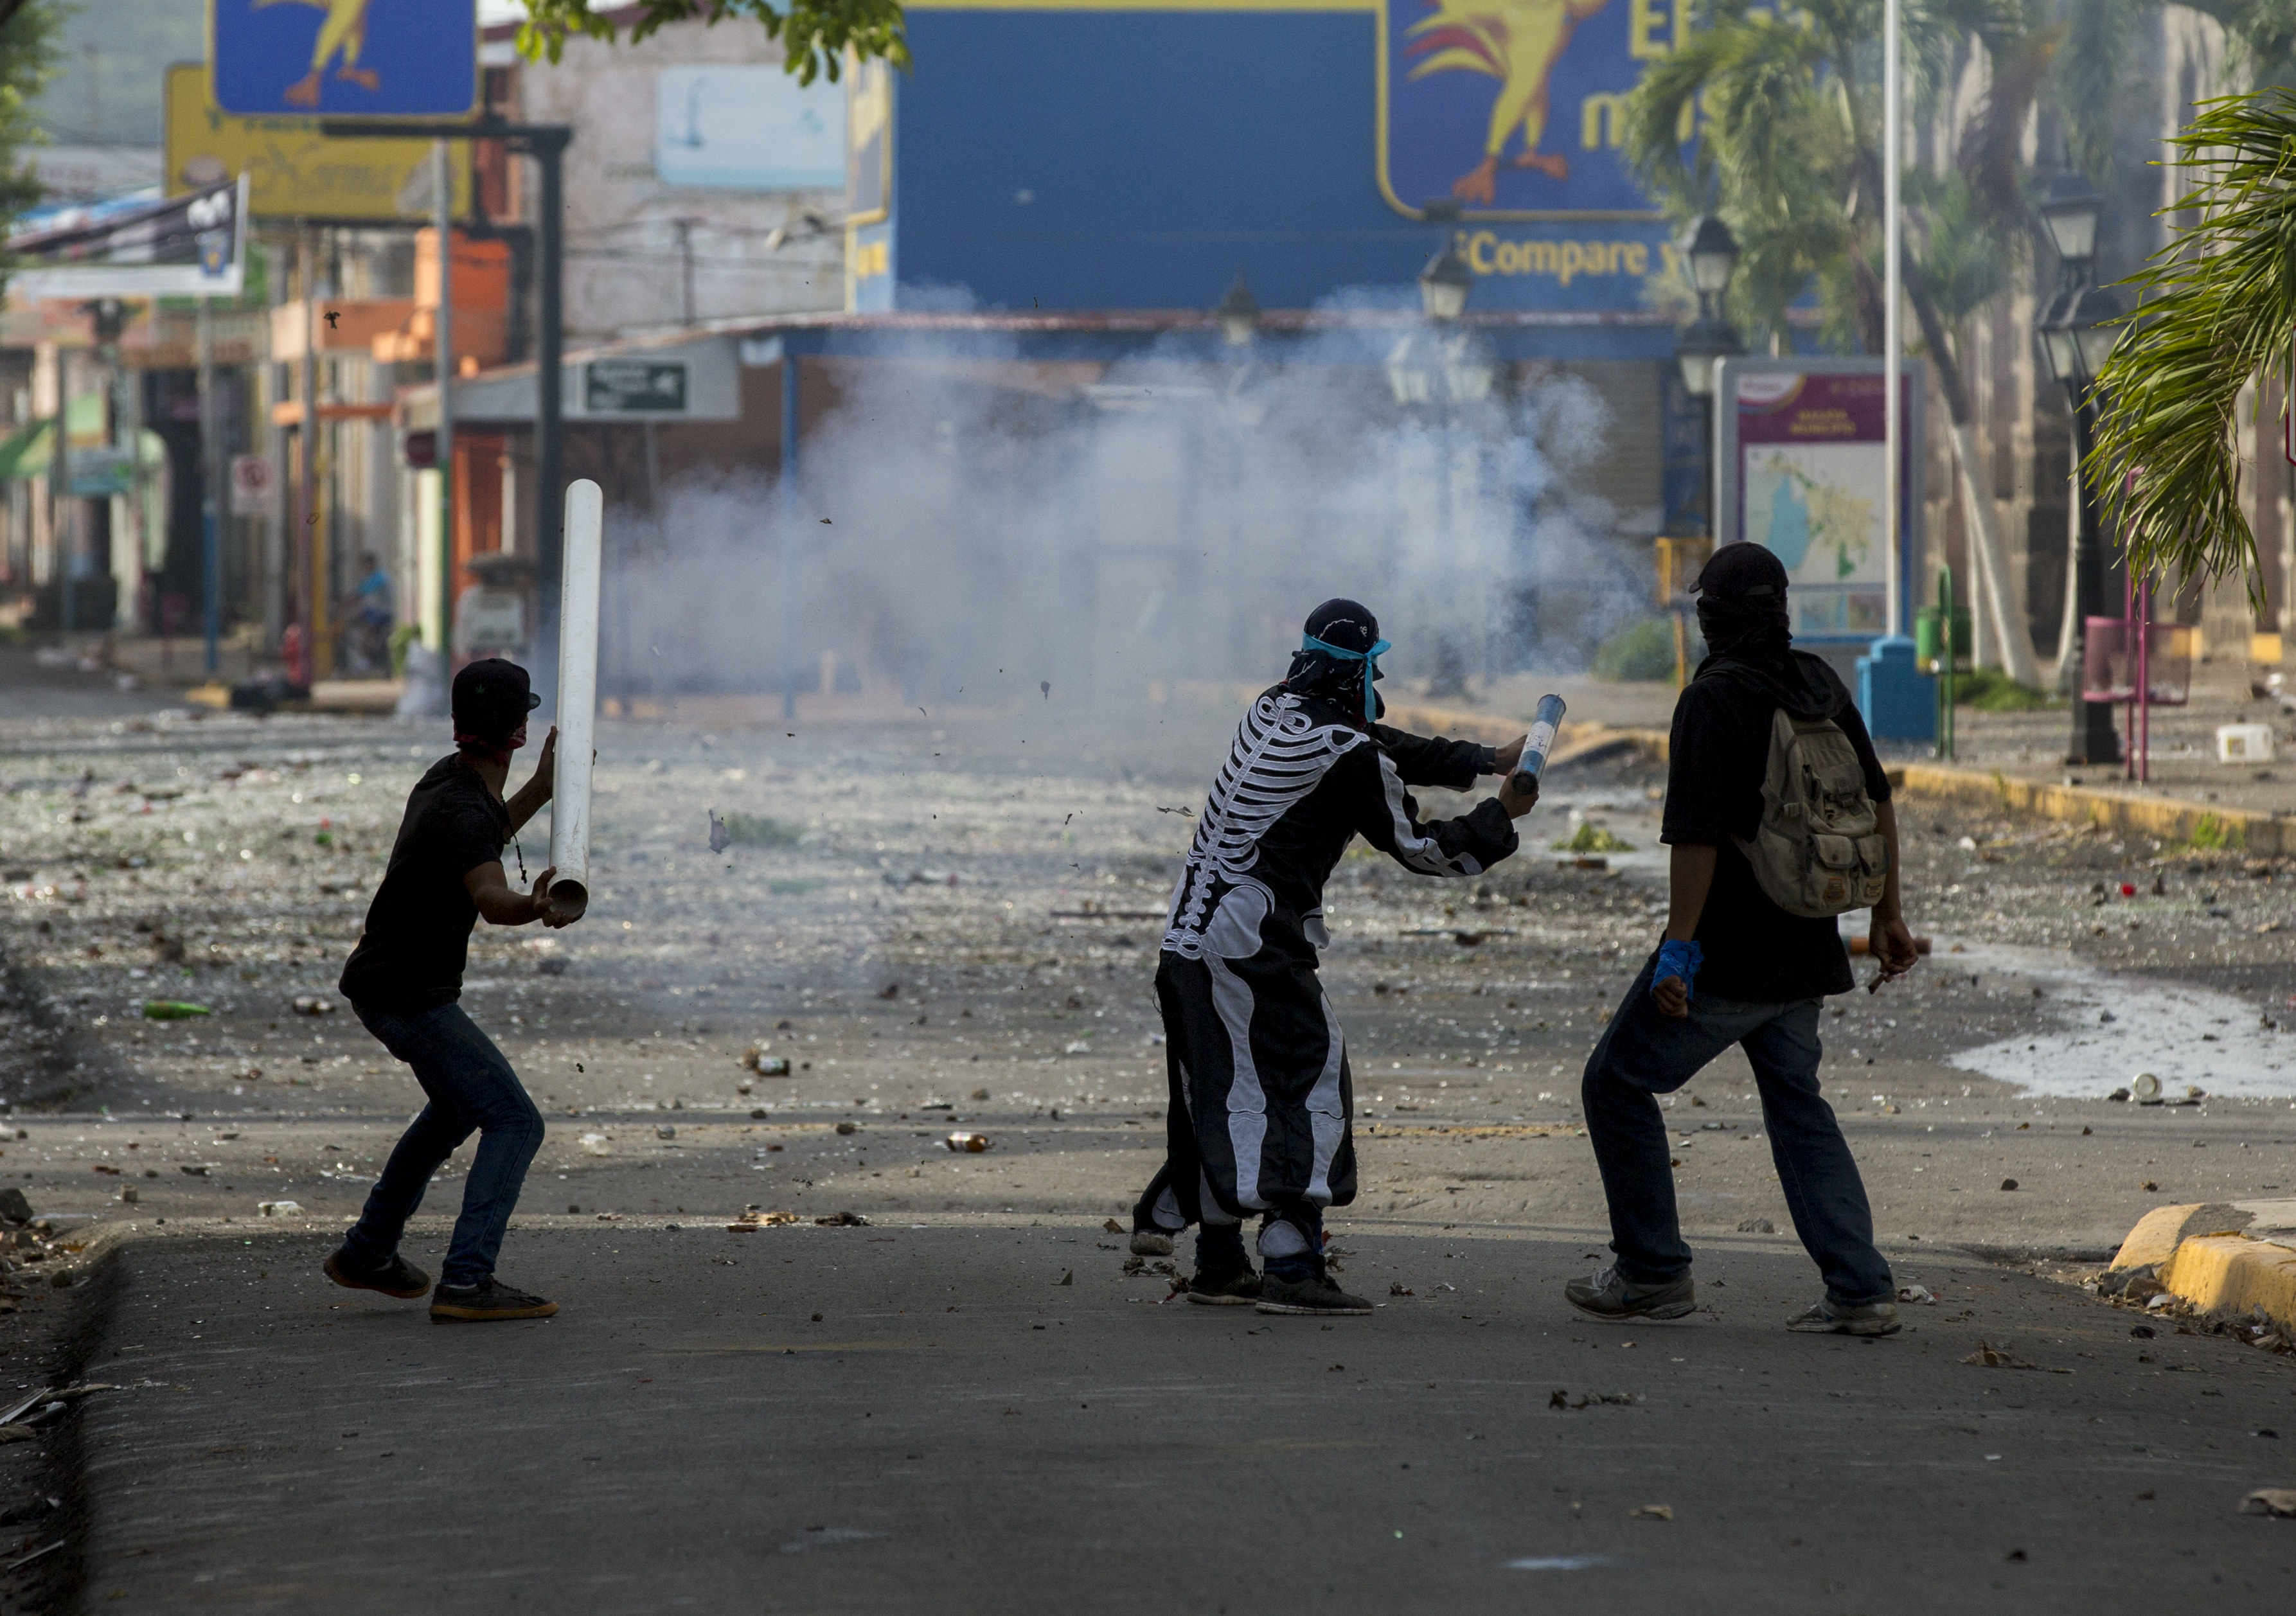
{"x": 2221, "y": 1257}
{"x": 2170, "y": 818}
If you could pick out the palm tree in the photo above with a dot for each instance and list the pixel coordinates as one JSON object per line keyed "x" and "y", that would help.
{"x": 2218, "y": 309}
{"x": 1790, "y": 155}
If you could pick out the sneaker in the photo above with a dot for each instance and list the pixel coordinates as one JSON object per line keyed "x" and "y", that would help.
{"x": 491, "y": 1299}
{"x": 397, "y": 1277}
{"x": 1236, "y": 1288}
{"x": 1832, "y": 1318}
{"x": 1607, "y": 1296}
{"x": 1150, "y": 1243}
{"x": 1315, "y": 1293}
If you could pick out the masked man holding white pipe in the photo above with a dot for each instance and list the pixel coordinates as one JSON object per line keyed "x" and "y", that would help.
{"x": 1262, "y": 1094}
{"x": 405, "y": 979}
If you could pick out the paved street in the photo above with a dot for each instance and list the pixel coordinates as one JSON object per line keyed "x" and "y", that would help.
{"x": 934, "y": 946}
{"x": 896, "y": 1418}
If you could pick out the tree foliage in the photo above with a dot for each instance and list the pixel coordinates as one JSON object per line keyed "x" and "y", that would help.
{"x": 2218, "y": 309}
{"x": 814, "y": 34}
{"x": 28, "y": 60}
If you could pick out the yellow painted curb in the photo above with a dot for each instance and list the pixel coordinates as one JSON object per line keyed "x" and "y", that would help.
{"x": 2167, "y": 817}
{"x": 2160, "y": 1231}
{"x": 2233, "y": 1273}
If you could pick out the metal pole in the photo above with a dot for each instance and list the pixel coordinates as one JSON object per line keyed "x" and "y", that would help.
{"x": 784, "y": 560}
{"x": 306, "y": 443}
{"x": 210, "y": 533}
{"x": 1892, "y": 295}
{"x": 63, "y": 530}
{"x": 2093, "y": 739}
{"x": 442, "y": 188}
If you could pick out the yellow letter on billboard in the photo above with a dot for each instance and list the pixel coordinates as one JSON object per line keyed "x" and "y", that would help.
{"x": 1645, "y": 20}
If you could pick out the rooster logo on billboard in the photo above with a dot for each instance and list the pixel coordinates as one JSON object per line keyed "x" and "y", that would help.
{"x": 1516, "y": 108}
{"x": 341, "y": 32}
{"x": 1518, "y": 42}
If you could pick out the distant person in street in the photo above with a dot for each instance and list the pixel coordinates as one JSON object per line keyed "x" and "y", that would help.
{"x": 368, "y": 612}
{"x": 1779, "y": 817}
{"x": 405, "y": 979}
{"x": 1261, "y": 1094}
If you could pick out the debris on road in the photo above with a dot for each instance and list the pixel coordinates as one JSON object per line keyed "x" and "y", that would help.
{"x": 1757, "y": 1225}
{"x": 596, "y": 1145}
{"x": 1652, "y": 1511}
{"x": 279, "y": 1209}
{"x": 843, "y": 1220}
{"x": 1989, "y": 1357}
{"x": 765, "y": 1065}
{"x": 1919, "y": 1295}
{"x": 312, "y": 1003}
{"x": 2270, "y": 1501}
{"x": 972, "y": 1143}
{"x": 1590, "y": 1399}
{"x": 754, "y": 1219}
{"x": 172, "y": 1010}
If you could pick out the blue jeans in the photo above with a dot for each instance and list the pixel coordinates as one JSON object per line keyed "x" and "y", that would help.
{"x": 1643, "y": 1054}
{"x": 472, "y": 1088}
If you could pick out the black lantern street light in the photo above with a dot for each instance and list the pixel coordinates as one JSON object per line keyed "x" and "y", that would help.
{"x": 1441, "y": 363}
{"x": 2076, "y": 335}
{"x": 1710, "y": 253}
{"x": 1238, "y": 315}
{"x": 2069, "y": 209}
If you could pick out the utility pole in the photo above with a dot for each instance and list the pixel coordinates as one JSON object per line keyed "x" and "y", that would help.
{"x": 442, "y": 213}
{"x": 684, "y": 228}
{"x": 1893, "y": 405}
{"x": 210, "y": 494}
{"x": 546, "y": 144}
{"x": 307, "y": 436}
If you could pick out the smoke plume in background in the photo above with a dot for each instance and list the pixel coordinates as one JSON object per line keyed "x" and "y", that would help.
{"x": 966, "y": 531}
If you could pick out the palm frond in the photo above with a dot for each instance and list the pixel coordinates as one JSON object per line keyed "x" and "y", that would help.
{"x": 2218, "y": 307}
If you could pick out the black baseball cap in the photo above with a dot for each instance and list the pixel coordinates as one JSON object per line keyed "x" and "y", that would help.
{"x": 492, "y": 698}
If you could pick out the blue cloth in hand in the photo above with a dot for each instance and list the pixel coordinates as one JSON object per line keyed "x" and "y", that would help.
{"x": 1677, "y": 959}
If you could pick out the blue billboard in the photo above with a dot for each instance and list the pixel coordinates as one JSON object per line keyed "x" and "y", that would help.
{"x": 1109, "y": 154}
{"x": 348, "y": 58}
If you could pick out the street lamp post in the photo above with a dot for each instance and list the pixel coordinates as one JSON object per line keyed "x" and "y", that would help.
{"x": 1238, "y": 315}
{"x": 1441, "y": 365}
{"x": 2075, "y": 334}
{"x": 1711, "y": 252}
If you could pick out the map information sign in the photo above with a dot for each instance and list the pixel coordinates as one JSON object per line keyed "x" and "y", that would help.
{"x": 1802, "y": 464}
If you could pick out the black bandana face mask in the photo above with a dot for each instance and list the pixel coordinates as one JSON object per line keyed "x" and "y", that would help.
{"x": 1753, "y": 625}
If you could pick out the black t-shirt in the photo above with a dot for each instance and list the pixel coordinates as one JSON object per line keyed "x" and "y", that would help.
{"x": 418, "y": 929}
{"x": 1754, "y": 950}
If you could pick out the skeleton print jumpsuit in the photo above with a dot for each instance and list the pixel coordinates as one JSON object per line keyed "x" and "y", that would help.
{"x": 1262, "y": 1095}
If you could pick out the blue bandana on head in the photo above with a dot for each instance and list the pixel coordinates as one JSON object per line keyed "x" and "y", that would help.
{"x": 1341, "y": 653}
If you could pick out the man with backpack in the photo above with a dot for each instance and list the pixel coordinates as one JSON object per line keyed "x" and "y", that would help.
{"x": 1779, "y": 818}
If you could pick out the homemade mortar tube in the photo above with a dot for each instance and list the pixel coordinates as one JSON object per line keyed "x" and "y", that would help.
{"x": 577, "y": 696}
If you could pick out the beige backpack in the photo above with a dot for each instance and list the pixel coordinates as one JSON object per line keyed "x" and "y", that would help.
{"x": 1818, "y": 849}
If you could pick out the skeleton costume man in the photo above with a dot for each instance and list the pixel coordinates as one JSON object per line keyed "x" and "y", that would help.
{"x": 1261, "y": 1094}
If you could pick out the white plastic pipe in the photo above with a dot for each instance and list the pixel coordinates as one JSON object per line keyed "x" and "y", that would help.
{"x": 577, "y": 696}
